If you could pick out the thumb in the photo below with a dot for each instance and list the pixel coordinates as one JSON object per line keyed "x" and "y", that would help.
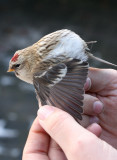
{"x": 71, "y": 137}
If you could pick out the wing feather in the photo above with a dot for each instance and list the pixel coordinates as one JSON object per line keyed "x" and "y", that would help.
{"x": 63, "y": 86}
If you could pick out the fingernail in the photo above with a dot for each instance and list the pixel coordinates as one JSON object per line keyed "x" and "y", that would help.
{"x": 45, "y": 111}
{"x": 98, "y": 107}
{"x": 87, "y": 85}
{"x": 94, "y": 120}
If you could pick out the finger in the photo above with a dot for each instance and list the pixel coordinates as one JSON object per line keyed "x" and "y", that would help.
{"x": 62, "y": 128}
{"x": 100, "y": 78}
{"x": 75, "y": 141}
{"x": 56, "y": 151}
{"x": 95, "y": 129}
{"x": 88, "y": 120}
{"x": 87, "y": 85}
{"x": 85, "y": 122}
{"x": 92, "y": 105}
{"x": 37, "y": 143}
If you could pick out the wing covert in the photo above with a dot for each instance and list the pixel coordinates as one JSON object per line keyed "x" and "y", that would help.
{"x": 63, "y": 86}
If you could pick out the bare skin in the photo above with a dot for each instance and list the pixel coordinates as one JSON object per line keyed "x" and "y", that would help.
{"x": 73, "y": 139}
{"x": 104, "y": 87}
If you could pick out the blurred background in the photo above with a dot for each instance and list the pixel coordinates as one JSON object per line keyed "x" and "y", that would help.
{"x": 22, "y": 23}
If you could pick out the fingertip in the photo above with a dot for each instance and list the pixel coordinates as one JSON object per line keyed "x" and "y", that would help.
{"x": 45, "y": 111}
{"x": 87, "y": 85}
{"x": 95, "y": 129}
{"x": 98, "y": 107}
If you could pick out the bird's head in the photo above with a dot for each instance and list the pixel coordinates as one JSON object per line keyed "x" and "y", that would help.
{"x": 20, "y": 64}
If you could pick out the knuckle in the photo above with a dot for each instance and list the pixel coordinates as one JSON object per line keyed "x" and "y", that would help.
{"x": 112, "y": 72}
{"x": 82, "y": 144}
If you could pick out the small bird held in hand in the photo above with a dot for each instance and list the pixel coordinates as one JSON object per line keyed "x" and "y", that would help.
{"x": 57, "y": 67}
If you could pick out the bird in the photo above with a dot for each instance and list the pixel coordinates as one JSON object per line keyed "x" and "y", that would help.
{"x": 57, "y": 65}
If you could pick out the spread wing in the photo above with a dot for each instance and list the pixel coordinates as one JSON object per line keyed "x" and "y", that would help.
{"x": 63, "y": 86}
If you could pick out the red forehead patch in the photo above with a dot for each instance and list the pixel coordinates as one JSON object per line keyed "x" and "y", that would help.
{"x": 15, "y": 57}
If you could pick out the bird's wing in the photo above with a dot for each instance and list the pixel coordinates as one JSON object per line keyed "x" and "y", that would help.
{"x": 63, "y": 86}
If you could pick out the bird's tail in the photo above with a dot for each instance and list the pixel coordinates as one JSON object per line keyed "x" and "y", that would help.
{"x": 99, "y": 59}
{"x": 90, "y": 55}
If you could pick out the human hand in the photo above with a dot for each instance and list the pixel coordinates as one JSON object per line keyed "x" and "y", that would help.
{"x": 69, "y": 139}
{"x": 103, "y": 87}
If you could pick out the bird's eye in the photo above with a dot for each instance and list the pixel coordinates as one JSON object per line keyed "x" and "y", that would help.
{"x": 17, "y": 65}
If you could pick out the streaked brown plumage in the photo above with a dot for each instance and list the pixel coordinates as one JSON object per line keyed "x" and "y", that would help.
{"x": 57, "y": 66}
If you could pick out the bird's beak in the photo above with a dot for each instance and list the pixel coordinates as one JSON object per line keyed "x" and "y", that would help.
{"x": 11, "y": 70}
